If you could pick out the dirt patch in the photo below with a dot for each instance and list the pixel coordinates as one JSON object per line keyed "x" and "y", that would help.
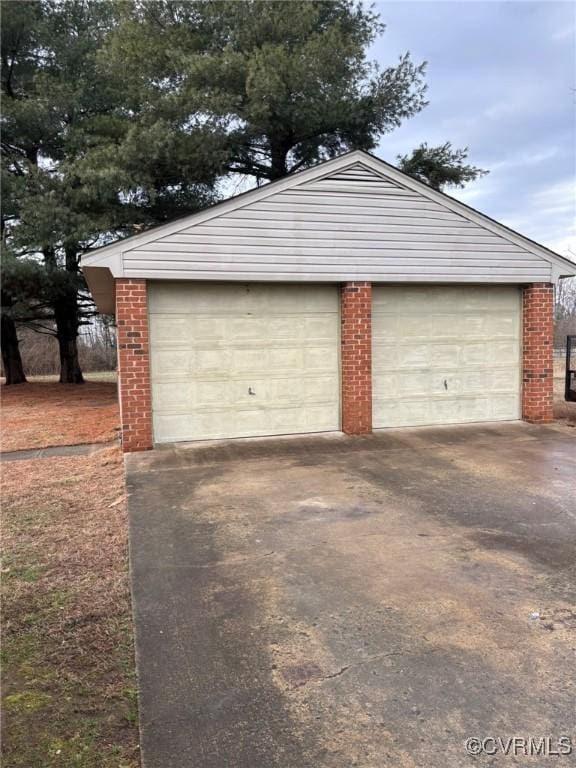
{"x": 69, "y": 691}
{"x": 43, "y": 414}
{"x": 563, "y": 410}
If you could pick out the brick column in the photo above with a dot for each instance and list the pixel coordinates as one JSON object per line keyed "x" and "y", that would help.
{"x": 133, "y": 364}
{"x": 356, "y": 341}
{"x": 537, "y": 353}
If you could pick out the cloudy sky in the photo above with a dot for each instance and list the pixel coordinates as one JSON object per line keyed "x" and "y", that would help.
{"x": 502, "y": 81}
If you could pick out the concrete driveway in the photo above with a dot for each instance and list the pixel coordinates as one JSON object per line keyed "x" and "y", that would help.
{"x": 373, "y": 602}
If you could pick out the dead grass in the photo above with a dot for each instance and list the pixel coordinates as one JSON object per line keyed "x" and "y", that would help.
{"x": 69, "y": 693}
{"x": 563, "y": 410}
{"x": 44, "y": 413}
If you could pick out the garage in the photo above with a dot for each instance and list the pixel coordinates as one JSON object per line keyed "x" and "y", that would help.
{"x": 344, "y": 297}
{"x": 243, "y": 360}
{"x": 445, "y": 354}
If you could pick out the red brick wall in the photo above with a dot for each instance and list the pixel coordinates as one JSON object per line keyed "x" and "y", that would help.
{"x": 537, "y": 353}
{"x": 356, "y": 358}
{"x": 133, "y": 364}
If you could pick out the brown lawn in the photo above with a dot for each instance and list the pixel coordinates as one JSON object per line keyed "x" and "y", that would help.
{"x": 45, "y": 413}
{"x": 563, "y": 410}
{"x": 69, "y": 690}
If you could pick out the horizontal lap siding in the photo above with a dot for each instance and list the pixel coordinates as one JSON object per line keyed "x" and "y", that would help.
{"x": 353, "y": 224}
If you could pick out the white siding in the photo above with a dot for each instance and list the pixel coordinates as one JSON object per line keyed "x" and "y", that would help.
{"x": 352, "y": 224}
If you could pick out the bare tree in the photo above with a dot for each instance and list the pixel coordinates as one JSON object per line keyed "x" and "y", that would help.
{"x": 565, "y": 311}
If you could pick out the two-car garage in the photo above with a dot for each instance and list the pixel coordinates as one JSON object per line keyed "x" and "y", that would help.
{"x": 348, "y": 296}
{"x": 243, "y": 360}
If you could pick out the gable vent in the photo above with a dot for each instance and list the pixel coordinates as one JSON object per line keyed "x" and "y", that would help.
{"x": 356, "y": 179}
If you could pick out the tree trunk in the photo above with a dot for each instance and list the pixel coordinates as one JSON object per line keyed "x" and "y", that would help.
{"x": 11, "y": 359}
{"x": 66, "y": 316}
{"x": 278, "y": 160}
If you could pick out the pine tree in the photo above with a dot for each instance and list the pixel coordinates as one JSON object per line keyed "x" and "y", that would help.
{"x": 283, "y": 85}
{"x": 121, "y": 115}
{"x": 50, "y": 91}
{"x": 75, "y": 170}
{"x": 439, "y": 167}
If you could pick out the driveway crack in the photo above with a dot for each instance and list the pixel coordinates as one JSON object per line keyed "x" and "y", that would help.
{"x": 234, "y": 560}
{"x": 363, "y": 662}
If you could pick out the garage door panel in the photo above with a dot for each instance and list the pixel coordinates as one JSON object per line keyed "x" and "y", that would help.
{"x": 320, "y": 358}
{"x": 279, "y": 343}
{"x": 209, "y": 329}
{"x": 286, "y": 359}
{"x": 321, "y": 327}
{"x": 284, "y": 327}
{"x": 468, "y": 408}
{"x": 169, "y": 362}
{"x": 414, "y": 356}
{"x": 170, "y": 330}
{"x": 399, "y": 414}
{"x": 180, "y": 393}
{"x": 217, "y": 299}
{"x": 501, "y": 324}
{"x": 184, "y": 395}
{"x": 203, "y": 362}
{"x": 245, "y": 360}
{"x": 505, "y": 380}
{"x": 318, "y": 389}
{"x": 213, "y": 424}
{"x": 444, "y": 384}
{"x": 471, "y": 382}
{"x": 412, "y": 383}
{"x": 384, "y": 333}
{"x": 178, "y": 425}
{"x": 502, "y": 352}
{"x": 445, "y": 354}
{"x": 208, "y": 393}
{"x": 503, "y": 405}
{"x": 475, "y": 353}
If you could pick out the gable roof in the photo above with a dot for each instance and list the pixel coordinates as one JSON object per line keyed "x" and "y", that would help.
{"x": 356, "y": 157}
{"x": 354, "y": 183}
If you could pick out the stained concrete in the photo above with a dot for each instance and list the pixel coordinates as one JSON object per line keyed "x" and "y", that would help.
{"x": 78, "y": 449}
{"x": 373, "y": 602}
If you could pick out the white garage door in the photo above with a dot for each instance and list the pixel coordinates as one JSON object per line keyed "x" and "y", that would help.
{"x": 235, "y": 360}
{"x": 444, "y": 355}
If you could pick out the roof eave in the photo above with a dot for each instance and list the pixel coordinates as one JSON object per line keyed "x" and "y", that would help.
{"x": 102, "y": 286}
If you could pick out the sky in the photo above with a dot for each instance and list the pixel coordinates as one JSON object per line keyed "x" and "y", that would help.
{"x": 502, "y": 81}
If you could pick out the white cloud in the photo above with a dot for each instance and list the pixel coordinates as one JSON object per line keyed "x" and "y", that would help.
{"x": 528, "y": 156}
{"x": 559, "y": 198}
{"x": 564, "y": 32}
{"x": 500, "y": 110}
{"x": 566, "y": 246}
{"x": 549, "y": 217}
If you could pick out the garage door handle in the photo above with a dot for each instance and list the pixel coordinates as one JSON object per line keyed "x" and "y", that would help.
{"x": 445, "y": 383}
{"x": 251, "y": 391}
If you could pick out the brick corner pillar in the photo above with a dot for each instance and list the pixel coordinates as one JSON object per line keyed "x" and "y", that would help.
{"x": 356, "y": 344}
{"x": 133, "y": 364}
{"x": 537, "y": 353}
